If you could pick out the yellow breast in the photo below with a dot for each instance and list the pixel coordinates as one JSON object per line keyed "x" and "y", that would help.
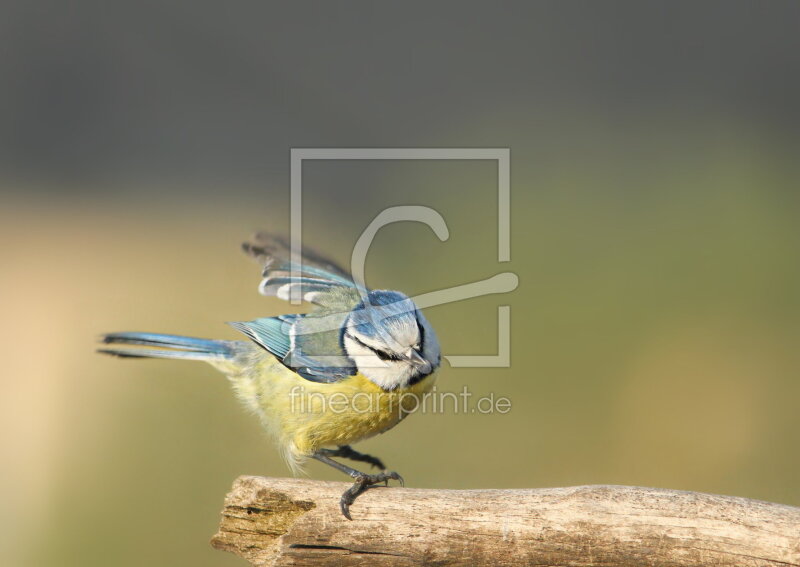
{"x": 304, "y": 416}
{"x": 351, "y": 410}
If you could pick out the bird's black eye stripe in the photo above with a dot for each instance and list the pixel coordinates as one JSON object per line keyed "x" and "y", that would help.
{"x": 382, "y": 355}
{"x": 379, "y": 353}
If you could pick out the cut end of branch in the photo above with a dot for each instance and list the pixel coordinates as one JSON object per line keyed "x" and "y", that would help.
{"x": 255, "y": 516}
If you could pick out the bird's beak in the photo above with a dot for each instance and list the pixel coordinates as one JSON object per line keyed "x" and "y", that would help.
{"x": 422, "y": 365}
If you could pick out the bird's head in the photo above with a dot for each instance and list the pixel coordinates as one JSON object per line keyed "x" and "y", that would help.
{"x": 390, "y": 341}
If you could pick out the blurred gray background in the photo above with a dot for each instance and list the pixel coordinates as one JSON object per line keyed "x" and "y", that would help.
{"x": 96, "y": 94}
{"x": 655, "y": 179}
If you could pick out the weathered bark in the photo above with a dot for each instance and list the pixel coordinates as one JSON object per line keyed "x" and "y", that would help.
{"x": 279, "y": 522}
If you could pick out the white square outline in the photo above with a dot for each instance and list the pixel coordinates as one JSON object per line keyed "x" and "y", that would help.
{"x": 503, "y": 157}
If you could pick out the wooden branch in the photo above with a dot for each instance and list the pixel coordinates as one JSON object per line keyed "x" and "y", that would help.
{"x": 279, "y": 522}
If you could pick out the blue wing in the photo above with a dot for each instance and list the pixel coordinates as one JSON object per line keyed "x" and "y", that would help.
{"x": 318, "y": 277}
{"x": 306, "y": 344}
{"x": 309, "y": 344}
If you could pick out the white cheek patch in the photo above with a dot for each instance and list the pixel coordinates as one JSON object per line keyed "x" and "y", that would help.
{"x": 388, "y": 374}
{"x": 400, "y": 338}
{"x": 366, "y": 340}
{"x": 363, "y": 356}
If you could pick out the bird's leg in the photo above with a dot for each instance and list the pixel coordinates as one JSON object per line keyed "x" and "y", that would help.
{"x": 362, "y": 481}
{"x": 348, "y": 452}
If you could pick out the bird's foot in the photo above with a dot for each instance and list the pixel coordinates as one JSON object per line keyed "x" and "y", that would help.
{"x": 362, "y": 483}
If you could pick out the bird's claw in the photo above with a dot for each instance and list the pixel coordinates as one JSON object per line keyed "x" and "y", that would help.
{"x": 362, "y": 483}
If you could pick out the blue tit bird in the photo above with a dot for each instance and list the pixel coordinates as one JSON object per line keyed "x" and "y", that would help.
{"x": 353, "y": 367}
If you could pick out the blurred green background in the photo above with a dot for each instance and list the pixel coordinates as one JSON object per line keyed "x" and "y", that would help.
{"x": 655, "y": 233}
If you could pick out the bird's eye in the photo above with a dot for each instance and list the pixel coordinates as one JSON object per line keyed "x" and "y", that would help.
{"x": 382, "y": 354}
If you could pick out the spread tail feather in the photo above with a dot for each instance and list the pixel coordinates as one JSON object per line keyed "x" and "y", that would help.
{"x": 155, "y": 345}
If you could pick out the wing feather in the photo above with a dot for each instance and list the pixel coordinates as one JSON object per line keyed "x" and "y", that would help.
{"x": 317, "y": 275}
{"x": 304, "y": 343}
{"x": 310, "y": 343}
